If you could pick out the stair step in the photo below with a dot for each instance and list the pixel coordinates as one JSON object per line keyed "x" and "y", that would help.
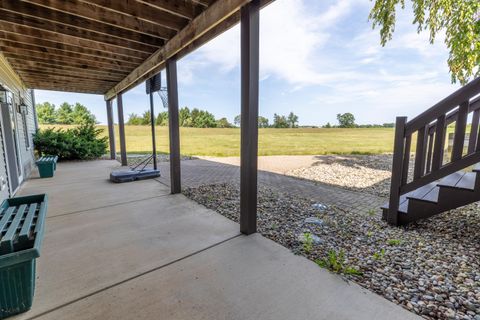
{"x": 425, "y": 191}
{"x": 451, "y": 180}
{"x": 403, "y": 207}
{"x": 431, "y": 191}
{"x": 476, "y": 168}
{"x": 466, "y": 182}
{"x": 432, "y": 196}
{"x": 404, "y": 199}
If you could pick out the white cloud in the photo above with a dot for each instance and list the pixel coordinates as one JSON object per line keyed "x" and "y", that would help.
{"x": 330, "y": 47}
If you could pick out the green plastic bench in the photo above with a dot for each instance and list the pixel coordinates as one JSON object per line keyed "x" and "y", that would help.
{"x": 21, "y": 233}
{"x": 55, "y": 159}
{"x": 47, "y": 166}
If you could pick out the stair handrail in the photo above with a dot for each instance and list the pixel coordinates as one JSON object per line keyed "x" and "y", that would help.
{"x": 449, "y": 103}
{"x": 431, "y": 128}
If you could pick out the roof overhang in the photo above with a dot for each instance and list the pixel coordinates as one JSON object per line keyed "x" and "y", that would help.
{"x": 106, "y": 46}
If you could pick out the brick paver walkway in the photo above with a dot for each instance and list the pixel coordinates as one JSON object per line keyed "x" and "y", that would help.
{"x": 202, "y": 172}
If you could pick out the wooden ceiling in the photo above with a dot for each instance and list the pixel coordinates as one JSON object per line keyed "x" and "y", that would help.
{"x": 87, "y": 46}
{"x": 105, "y": 46}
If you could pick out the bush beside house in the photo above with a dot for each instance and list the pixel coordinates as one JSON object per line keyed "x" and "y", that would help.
{"x": 79, "y": 143}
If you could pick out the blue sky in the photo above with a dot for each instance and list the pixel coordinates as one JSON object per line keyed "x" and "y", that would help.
{"x": 317, "y": 59}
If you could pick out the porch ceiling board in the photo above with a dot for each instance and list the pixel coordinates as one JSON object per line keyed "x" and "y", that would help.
{"x": 105, "y": 46}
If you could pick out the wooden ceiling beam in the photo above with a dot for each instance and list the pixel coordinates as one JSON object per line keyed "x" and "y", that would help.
{"x": 59, "y": 82}
{"x": 64, "y": 79}
{"x": 66, "y": 39}
{"x": 19, "y": 59}
{"x": 204, "y": 3}
{"x": 142, "y": 11}
{"x": 25, "y": 49}
{"x": 185, "y": 9}
{"x": 53, "y": 72}
{"x": 58, "y": 28}
{"x": 75, "y": 22}
{"x": 38, "y": 86}
{"x": 207, "y": 20}
{"x": 79, "y": 84}
{"x": 42, "y": 57}
{"x": 100, "y": 14}
{"x": 20, "y": 39}
{"x": 62, "y": 68}
{"x": 63, "y": 61}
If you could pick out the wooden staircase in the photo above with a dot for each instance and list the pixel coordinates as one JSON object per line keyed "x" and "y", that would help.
{"x": 438, "y": 182}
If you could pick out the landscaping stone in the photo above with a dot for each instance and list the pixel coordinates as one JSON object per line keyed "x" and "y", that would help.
{"x": 313, "y": 220}
{"x": 320, "y": 206}
{"x": 366, "y": 173}
{"x": 431, "y": 267}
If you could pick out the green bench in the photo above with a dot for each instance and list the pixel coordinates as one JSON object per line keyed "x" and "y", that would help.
{"x": 47, "y": 166}
{"x": 21, "y": 233}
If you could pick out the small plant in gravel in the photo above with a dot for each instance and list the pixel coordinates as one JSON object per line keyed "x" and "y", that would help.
{"x": 371, "y": 212}
{"x": 336, "y": 262}
{"x": 394, "y": 242}
{"x": 329, "y": 222}
{"x": 370, "y": 234}
{"x": 308, "y": 242}
{"x": 379, "y": 255}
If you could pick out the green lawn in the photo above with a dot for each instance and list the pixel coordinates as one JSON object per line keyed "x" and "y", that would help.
{"x": 226, "y": 142}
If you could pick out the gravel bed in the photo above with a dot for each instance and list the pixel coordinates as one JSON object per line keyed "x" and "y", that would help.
{"x": 431, "y": 268}
{"x": 365, "y": 173}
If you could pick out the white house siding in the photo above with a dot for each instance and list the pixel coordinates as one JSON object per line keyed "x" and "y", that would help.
{"x": 10, "y": 80}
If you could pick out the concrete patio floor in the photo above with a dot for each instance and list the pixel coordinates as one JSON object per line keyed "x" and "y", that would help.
{"x": 133, "y": 251}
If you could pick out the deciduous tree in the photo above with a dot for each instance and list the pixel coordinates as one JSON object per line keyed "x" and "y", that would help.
{"x": 459, "y": 20}
{"x": 46, "y": 113}
{"x": 346, "y": 120}
{"x": 292, "y": 120}
{"x": 64, "y": 114}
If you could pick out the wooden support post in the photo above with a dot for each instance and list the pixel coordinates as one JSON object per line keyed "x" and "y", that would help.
{"x": 439, "y": 143}
{"x": 249, "y": 116}
{"x": 420, "y": 153}
{"x": 111, "y": 130}
{"x": 152, "y": 125}
{"x": 406, "y": 158}
{"x": 472, "y": 141}
{"x": 121, "y": 131}
{"x": 397, "y": 172}
{"x": 173, "y": 123}
{"x": 460, "y": 126}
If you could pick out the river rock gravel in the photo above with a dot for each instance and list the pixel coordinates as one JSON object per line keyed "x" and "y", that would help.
{"x": 431, "y": 268}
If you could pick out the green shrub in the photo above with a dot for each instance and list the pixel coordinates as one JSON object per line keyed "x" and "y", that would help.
{"x": 394, "y": 242}
{"x": 308, "y": 242}
{"x": 336, "y": 262}
{"x": 79, "y": 143}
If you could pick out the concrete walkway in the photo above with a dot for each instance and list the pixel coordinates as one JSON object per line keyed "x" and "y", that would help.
{"x": 133, "y": 251}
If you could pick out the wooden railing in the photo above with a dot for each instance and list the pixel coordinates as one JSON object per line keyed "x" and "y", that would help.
{"x": 430, "y": 128}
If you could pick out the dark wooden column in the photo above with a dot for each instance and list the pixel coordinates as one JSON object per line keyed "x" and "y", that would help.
{"x": 111, "y": 130}
{"x": 173, "y": 126}
{"x": 152, "y": 125}
{"x": 121, "y": 130}
{"x": 249, "y": 116}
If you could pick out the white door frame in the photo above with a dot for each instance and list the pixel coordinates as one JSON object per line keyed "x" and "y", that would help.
{"x": 18, "y": 170}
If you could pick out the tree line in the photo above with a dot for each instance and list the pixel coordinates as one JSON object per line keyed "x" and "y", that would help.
{"x": 196, "y": 118}
{"x": 76, "y": 114}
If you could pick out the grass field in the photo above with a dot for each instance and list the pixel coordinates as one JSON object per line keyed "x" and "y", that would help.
{"x": 226, "y": 142}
